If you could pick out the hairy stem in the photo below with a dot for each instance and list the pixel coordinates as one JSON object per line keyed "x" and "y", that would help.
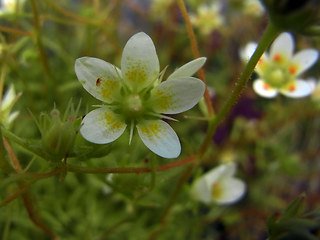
{"x": 269, "y": 35}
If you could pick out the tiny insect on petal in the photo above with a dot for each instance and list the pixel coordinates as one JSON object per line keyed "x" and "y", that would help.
{"x": 101, "y": 79}
{"x": 98, "y": 82}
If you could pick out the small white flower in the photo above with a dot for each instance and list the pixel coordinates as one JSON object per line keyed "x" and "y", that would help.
{"x": 219, "y": 186}
{"x": 253, "y": 7}
{"x": 280, "y": 69}
{"x": 7, "y": 102}
{"x": 135, "y": 96}
{"x": 208, "y": 18}
{"x": 10, "y": 6}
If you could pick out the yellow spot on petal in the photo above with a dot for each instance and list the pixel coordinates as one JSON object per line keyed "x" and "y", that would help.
{"x": 136, "y": 74}
{"x": 112, "y": 121}
{"x": 216, "y": 190}
{"x": 164, "y": 100}
{"x": 108, "y": 87}
{"x": 151, "y": 130}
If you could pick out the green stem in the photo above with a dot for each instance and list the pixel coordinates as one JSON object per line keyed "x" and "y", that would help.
{"x": 23, "y": 143}
{"x": 104, "y": 170}
{"x": 269, "y": 35}
{"x": 4, "y": 163}
{"x": 42, "y": 53}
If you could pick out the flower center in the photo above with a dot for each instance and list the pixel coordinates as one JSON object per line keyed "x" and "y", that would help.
{"x": 278, "y": 77}
{"x": 133, "y": 106}
{"x": 216, "y": 190}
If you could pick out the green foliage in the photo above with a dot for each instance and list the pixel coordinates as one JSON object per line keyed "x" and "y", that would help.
{"x": 293, "y": 224}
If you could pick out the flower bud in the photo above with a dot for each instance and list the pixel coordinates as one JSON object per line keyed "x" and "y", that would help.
{"x": 58, "y": 134}
{"x": 294, "y": 15}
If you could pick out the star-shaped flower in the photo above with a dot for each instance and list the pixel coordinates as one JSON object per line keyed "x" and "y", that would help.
{"x": 280, "y": 70}
{"x": 135, "y": 96}
{"x": 219, "y": 186}
{"x": 208, "y": 18}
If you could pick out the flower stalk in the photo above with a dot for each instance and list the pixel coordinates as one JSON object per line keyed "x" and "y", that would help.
{"x": 269, "y": 35}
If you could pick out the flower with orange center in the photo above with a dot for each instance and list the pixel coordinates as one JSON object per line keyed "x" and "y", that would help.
{"x": 219, "y": 186}
{"x": 135, "y": 96}
{"x": 280, "y": 69}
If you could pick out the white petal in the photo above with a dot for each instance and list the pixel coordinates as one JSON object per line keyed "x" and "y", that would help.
{"x": 232, "y": 190}
{"x": 301, "y": 89}
{"x": 8, "y": 98}
{"x": 12, "y": 116}
{"x": 260, "y": 87}
{"x": 224, "y": 170}
{"x": 246, "y": 52}
{"x": 102, "y": 126}
{"x": 101, "y": 79}
{"x": 202, "y": 187}
{"x": 304, "y": 60}
{"x": 139, "y": 62}
{"x": 282, "y": 46}
{"x": 188, "y": 69}
{"x": 201, "y": 191}
{"x": 160, "y": 138}
{"x": 177, "y": 95}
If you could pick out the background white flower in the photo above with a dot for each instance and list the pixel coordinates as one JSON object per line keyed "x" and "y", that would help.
{"x": 219, "y": 186}
{"x": 135, "y": 96}
{"x": 9, "y": 99}
{"x": 208, "y": 18}
{"x": 10, "y": 6}
{"x": 280, "y": 69}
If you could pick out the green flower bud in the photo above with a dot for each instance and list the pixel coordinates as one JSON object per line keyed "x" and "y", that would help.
{"x": 294, "y": 15}
{"x": 59, "y": 134}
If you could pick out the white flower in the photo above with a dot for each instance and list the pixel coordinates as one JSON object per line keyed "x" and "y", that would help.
{"x": 10, "y": 6}
{"x": 208, "y": 18}
{"x": 219, "y": 186}
{"x": 7, "y": 102}
{"x": 135, "y": 96}
{"x": 280, "y": 69}
{"x": 253, "y": 7}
